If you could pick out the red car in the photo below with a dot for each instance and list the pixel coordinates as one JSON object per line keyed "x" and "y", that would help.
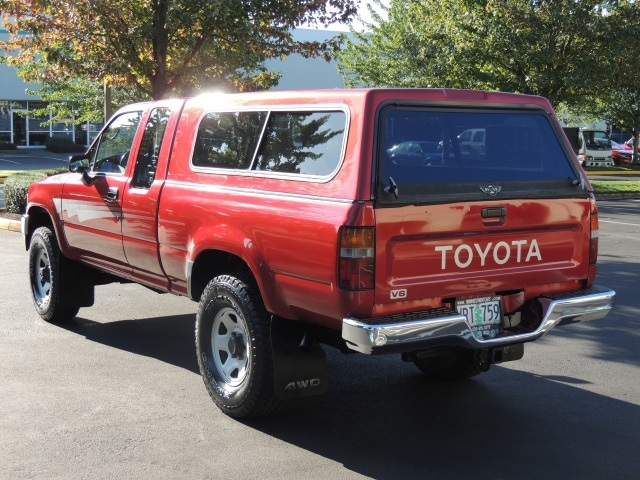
{"x": 622, "y": 153}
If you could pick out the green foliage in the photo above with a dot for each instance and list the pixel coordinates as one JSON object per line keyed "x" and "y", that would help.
{"x": 616, "y": 186}
{"x": 619, "y": 98}
{"x": 8, "y": 146}
{"x": 73, "y": 98}
{"x": 17, "y": 185}
{"x": 550, "y": 48}
{"x": 161, "y": 48}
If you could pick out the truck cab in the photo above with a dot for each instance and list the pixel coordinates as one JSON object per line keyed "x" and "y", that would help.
{"x": 592, "y": 146}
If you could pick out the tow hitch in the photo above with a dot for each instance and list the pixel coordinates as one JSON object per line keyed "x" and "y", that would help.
{"x": 506, "y": 353}
{"x": 484, "y": 357}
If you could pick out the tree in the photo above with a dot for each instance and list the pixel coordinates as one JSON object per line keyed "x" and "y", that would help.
{"x": 83, "y": 99}
{"x": 542, "y": 47}
{"x": 619, "y": 101}
{"x": 161, "y": 48}
{"x": 622, "y": 107}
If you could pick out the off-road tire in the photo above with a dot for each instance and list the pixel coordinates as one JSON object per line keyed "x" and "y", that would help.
{"x": 453, "y": 365}
{"x": 233, "y": 344}
{"x": 49, "y": 278}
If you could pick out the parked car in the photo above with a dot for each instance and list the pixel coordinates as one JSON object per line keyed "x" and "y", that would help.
{"x": 621, "y": 153}
{"x": 472, "y": 141}
{"x": 629, "y": 144}
{"x": 416, "y": 152}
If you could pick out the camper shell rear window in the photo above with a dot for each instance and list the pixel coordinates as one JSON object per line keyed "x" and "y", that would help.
{"x": 428, "y": 155}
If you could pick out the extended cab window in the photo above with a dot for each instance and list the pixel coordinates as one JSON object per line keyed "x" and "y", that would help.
{"x": 111, "y": 153}
{"x": 467, "y": 152}
{"x": 228, "y": 139}
{"x": 147, "y": 160}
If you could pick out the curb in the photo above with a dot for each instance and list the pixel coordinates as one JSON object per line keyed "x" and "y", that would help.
{"x": 11, "y": 225}
{"x": 617, "y": 196}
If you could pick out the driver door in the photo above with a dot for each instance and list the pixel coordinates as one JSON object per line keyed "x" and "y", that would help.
{"x": 91, "y": 204}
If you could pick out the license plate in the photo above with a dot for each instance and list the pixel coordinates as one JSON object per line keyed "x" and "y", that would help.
{"x": 484, "y": 315}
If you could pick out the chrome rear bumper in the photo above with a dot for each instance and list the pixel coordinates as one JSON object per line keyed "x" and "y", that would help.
{"x": 445, "y": 327}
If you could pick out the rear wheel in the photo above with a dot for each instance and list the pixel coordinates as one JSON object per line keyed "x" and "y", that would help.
{"x": 48, "y": 269}
{"x": 452, "y": 365}
{"x": 233, "y": 344}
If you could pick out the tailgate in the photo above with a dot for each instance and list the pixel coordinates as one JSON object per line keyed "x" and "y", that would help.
{"x": 476, "y": 202}
{"x": 425, "y": 254}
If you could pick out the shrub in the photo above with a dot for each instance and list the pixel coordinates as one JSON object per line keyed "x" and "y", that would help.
{"x": 16, "y": 187}
{"x": 8, "y": 146}
{"x": 63, "y": 145}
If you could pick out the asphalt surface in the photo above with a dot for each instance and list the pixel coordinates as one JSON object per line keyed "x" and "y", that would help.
{"x": 31, "y": 159}
{"x": 116, "y": 394}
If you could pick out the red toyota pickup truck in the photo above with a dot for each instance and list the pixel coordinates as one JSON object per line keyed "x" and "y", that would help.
{"x": 447, "y": 226}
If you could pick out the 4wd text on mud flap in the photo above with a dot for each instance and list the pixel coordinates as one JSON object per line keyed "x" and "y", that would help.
{"x": 302, "y": 384}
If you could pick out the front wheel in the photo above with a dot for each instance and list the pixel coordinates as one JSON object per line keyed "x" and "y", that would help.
{"x": 53, "y": 298}
{"x": 233, "y": 345}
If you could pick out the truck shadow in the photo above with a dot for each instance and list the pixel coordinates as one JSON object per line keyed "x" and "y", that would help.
{"x": 169, "y": 339}
{"x": 386, "y": 422}
{"x": 381, "y": 419}
{"x": 615, "y": 338}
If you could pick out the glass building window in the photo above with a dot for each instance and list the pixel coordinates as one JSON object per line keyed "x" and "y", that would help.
{"x": 39, "y": 125}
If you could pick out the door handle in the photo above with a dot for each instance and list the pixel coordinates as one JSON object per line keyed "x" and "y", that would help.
{"x": 494, "y": 212}
{"x": 112, "y": 193}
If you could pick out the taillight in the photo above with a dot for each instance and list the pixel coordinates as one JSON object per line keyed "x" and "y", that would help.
{"x": 356, "y": 259}
{"x": 593, "y": 246}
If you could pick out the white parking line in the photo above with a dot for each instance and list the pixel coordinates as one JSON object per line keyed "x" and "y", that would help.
{"x": 620, "y": 223}
{"x": 9, "y": 161}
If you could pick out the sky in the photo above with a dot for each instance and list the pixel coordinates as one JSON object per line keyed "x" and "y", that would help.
{"x": 363, "y": 12}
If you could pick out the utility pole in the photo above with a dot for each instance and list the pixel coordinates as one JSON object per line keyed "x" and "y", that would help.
{"x": 107, "y": 101}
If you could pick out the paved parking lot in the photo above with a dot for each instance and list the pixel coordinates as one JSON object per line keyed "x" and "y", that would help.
{"x": 116, "y": 394}
{"x": 32, "y": 159}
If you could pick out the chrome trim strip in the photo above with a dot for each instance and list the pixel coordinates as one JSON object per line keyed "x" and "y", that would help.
{"x": 188, "y": 270}
{"x": 24, "y": 224}
{"x": 24, "y": 228}
{"x": 255, "y": 193}
{"x": 445, "y": 325}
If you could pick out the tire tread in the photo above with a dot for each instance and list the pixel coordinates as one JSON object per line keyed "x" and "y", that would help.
{"x": 262, "y": 399}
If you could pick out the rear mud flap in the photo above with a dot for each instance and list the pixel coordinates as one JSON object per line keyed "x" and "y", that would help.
{"x": 299, "y": 362}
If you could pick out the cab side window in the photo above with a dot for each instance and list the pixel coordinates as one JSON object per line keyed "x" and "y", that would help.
{"x": 147, "y": 159}
{"x": 112, "y": 152}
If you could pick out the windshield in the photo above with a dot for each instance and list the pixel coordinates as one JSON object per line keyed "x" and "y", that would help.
{"x": 426, "y": 155}
{"x": 597, "y": 140}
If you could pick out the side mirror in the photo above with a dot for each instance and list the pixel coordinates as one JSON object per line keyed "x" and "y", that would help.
{"x": 80, "y": 164}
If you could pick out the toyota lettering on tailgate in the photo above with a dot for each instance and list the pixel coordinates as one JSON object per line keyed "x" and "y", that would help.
{"x": 520, "y": 251}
